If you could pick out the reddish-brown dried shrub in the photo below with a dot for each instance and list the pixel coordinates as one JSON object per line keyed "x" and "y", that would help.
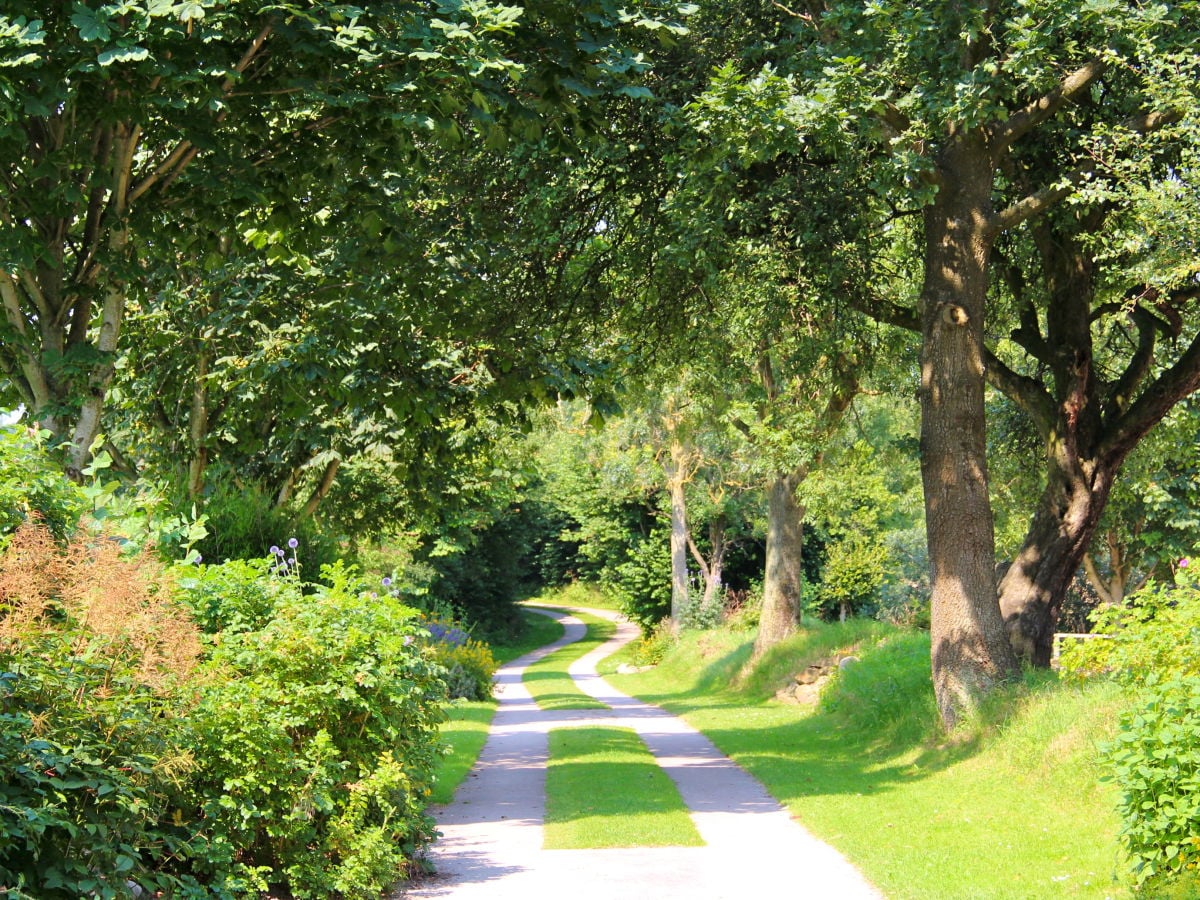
{"x": 120, "y": 603}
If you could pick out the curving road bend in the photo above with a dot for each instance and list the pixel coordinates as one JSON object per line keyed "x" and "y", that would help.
{"x": 491, "y": 845}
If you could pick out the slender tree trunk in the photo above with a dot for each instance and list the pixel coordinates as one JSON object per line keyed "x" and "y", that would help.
{"x": 198, "y": 428}
{"x": 783, "y": 577}
{"x": 323, "y": 487}
{"x": 675, "y": 465}
{"x": 713, "y": 568}
{"x": 970, "y": 651}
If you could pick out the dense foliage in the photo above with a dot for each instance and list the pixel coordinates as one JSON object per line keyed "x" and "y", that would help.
{"x": 1153, "y": 642}
{"x": 207, "y": 730}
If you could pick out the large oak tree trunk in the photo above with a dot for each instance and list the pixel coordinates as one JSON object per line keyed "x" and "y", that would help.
{"x": 783, "y": 578}
{"x": 971, "y": 651}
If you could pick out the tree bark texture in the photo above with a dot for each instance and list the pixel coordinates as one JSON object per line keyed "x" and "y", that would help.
{"x": 971, "y": 651}
{"x": 713, "y": 568}
{"x": 1088, "y": 427}
{"x": 783, "y": 577}
{"x": 675, "y": 465}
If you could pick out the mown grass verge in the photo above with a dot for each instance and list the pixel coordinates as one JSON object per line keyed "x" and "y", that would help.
{"x": 1010, "y": 809}
{"x": 604, "y": 789}
{"x": 547, "y": 679}
{"x": 578, "y": 593}
{"x": 466, "y": 728}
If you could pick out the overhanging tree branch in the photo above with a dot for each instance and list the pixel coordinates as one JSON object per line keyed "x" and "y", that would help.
{"x": 1045, "y": 107}
{"x": 1155, "y": 401}
{"x": 1027, "y": 393}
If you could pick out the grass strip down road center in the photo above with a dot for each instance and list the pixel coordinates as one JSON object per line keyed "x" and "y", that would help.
{"x": 547, "y": 679}
{"x": 604, "y": 789}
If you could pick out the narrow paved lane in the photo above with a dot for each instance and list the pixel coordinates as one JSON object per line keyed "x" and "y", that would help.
{"x": 492, "y": 832}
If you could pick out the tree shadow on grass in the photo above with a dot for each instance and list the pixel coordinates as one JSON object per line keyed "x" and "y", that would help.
{"x": 874, "y": 728}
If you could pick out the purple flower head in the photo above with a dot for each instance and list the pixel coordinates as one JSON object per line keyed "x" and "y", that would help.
{"x": 1184, "y": 563}
{"x": 275, "y": 551}
{"x": 293, "y": 543}
{"x": 447, "y": 634}
{"x": 199, "y": 559}
{"x": 387, "y": 582}
{"x": 291, "y": 561}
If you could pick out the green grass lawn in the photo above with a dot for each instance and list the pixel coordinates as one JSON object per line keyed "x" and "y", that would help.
{"x": 604, "y": 789}
{"x": 1010, "y": 811}
{"x": 577, "y": 593}
{"x": 547, "y": 679}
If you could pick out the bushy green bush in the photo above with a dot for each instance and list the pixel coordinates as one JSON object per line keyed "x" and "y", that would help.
{"x": 96, "y": 662}
{"x": 653, "y": 648}
{"x": 469, "y": 663}
{"x": 237, "y": 595}
{"x": 32, "y": 483}
{"x": 642, "y": 582}
{"x": 1156, "y": 764}
{"x": 299, "y": 751}
{"x": 316, "y": 740}
{"x": 1156, "y": 631}
{"x": 243, "y": 523}
{"x": 1153, "y": 643}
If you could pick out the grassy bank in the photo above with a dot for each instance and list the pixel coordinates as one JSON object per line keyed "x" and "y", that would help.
{"x": 1010, "y": 809}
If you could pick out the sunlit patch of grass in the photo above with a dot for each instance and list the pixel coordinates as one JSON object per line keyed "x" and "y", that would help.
{"x": 604, "y": 789}
{"x": 539, "y": 631}
{"x": 586, "y": 594}
{"x": 1008, "y": 809}
{"x": 463, "y": 735}
{"x": 547, "y": 679}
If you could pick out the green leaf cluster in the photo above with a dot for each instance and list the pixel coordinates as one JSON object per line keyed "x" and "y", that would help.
{"x": 315, "y": 735}
{"x": 1153, "y": 642}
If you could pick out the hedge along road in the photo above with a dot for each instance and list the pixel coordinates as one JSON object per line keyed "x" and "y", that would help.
{"x": 491, "y": 845}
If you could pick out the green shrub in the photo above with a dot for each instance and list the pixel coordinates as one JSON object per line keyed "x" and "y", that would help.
{"x": 243, "y": 523}
{"x": 469, "y": 663}
{"x": 1153, "y": 643}
{"x": 1156, "y": 765}
{"x": 642, "y": 581}
{"x": 1156, "y": 631}
{"x": 653, "y": 648}
{"x": 96, "y": 661}
{"x": 32, "y": 483}
{"x": 238, "y": 595}
{"x": 316, "y": 740}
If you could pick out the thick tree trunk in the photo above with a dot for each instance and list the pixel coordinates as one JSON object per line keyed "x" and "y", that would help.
{"x": 783, "y": 578}
{"x": 1033, "y": 589}
{"x": 971, "y": 651}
